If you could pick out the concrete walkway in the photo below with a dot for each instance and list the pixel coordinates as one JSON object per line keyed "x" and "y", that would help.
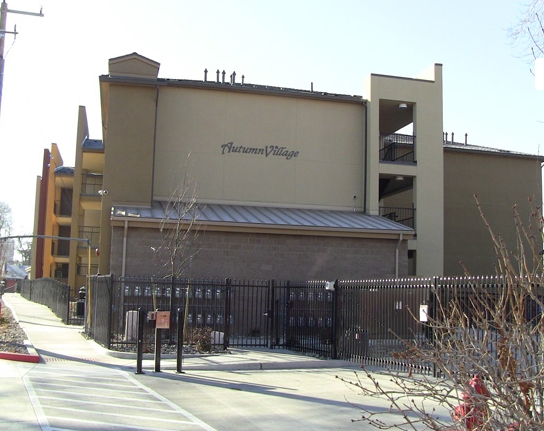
{"x": 54, "y": 341}
{"x": 60, "y": 347}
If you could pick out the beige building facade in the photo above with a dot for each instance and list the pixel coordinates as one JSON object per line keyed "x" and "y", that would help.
{"x": 278, "y": 183}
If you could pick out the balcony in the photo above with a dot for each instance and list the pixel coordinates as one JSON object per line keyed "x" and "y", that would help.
{"x": 90, "y": 198}
{"x": 397, "y": 148}
{"x": 405, "y": 216}
{"x": 91, "y": 183}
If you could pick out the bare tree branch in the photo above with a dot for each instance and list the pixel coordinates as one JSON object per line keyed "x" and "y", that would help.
{"x": 487, "y": 349}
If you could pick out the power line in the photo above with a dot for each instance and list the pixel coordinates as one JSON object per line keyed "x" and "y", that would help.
{"x": 3, "y": 16}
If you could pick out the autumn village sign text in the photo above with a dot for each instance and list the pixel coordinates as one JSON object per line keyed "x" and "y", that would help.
{"x": 268, "y": 150}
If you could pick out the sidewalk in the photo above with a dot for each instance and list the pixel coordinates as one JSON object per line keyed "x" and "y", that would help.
{"x": 54, "y": 341}
{"x": 287, "y": 397}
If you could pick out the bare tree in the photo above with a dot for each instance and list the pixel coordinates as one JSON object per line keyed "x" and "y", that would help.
{"x": 528, "y": 33}
{"x": 180, "y": 231}
{"x": 487, "y": 350}
{"x": 24, "y": 248}
{"x": 6, "y": 247}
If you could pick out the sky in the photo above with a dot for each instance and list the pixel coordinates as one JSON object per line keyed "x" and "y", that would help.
{"x": 53, "y": 65}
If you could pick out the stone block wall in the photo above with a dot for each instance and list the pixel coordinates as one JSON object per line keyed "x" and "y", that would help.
{"x": 261, "y": 256}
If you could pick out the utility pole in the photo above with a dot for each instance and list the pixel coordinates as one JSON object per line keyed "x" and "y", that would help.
{"x": 3, "y": 15}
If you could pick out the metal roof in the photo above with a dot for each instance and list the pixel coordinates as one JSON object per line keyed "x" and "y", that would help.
{"x": 479, "y": 149}
{"x": 269, "y": 217}
{"x": 93, "y": 144}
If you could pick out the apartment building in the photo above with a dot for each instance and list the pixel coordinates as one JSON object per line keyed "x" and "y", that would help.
{"x": 266, "y": 182}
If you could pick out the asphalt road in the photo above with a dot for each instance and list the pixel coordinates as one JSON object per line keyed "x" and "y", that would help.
{"x": 72, "y": 396}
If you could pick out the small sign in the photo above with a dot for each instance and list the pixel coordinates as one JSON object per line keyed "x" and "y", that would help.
{"x": 423, "y": 313}
{"x": 163, "y": 320}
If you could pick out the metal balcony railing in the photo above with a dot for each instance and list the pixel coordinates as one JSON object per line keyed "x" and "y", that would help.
{"x": 91, "y": 183}
{"x": 398, "y": 148}
{"x": 405, "y": 216}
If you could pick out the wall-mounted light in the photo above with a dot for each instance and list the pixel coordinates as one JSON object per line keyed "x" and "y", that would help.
{"x": 102, "y": 192}
{"x": 403, "y": 106}
{"x": 399, "y": 178}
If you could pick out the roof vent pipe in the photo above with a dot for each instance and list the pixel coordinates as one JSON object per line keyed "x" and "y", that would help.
{"x": 243, "y": 77}
{"x": 223, "y": 77}
{"x": 452, "y": 140}
{"x": 233, "y": 78}
{"x": 217, "y": 75}
{"x": 312, "y": 87}
{"x": 466, "y": 138}
{"x": 205, "y": 75}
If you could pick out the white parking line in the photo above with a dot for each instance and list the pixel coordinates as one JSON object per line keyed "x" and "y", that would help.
{"x": 49, "y": 400}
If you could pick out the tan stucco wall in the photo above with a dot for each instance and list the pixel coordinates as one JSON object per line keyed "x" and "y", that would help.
{"x": 500, "y": 182}
{"x": 425, "y": 95}
{"x": 327, "y": 138}
{"x": 129, "y": 152}
{"x": 133, "y": 66}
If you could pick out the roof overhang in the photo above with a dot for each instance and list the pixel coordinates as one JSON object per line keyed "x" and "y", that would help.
{"x": 256, "y": 219}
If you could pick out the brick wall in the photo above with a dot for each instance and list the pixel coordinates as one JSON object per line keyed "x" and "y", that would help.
{"x": 262, "y": 256}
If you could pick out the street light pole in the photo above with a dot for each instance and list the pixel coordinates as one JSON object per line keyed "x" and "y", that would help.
{"x": 3, "y": 16}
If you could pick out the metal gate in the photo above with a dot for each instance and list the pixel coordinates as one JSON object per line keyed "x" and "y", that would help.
{"x": 303, "y": 315}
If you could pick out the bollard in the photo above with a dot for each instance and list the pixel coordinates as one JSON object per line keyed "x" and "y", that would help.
{"x": 157, "y": 347}
{"x": 179, "y": 350}
{"x": 140, "y": 341}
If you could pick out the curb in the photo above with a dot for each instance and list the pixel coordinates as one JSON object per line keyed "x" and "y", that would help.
{"x": 31, "y": 357}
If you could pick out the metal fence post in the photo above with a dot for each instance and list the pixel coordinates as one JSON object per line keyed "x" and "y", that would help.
{"x": 228, "y": 292}
{"x": 158, "y": 334}
{"x": 335, "y": 294}
{"x": 140, "y": 341}
{"x": 179, "y": 347}
{"x": 270, "y": 313}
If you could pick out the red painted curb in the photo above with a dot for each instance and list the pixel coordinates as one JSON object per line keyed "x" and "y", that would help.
{"x": 21, "y": 357}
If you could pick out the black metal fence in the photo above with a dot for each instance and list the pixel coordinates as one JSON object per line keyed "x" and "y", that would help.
{"x": 55, "y": 295}
{"x": 370, "y": 321}
{"x": 364, "y": 321}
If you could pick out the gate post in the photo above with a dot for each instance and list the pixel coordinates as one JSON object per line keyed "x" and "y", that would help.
{"x": 140, "y": 341}
{"x": 335, "y": 310}
{"x": 228, "y": 291}
{"x": 288, "y": 304}
{"x": 158, "y": 347}
{"x": 270, "y": 314}
{"x": 179, "y": 355}
{"x": 432, "y": 309}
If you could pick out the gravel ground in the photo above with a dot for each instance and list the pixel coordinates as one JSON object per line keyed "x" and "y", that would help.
{"x": 12, "y": 336}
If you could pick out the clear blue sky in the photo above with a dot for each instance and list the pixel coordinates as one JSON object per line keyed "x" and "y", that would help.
{"x": 54, "y": 64}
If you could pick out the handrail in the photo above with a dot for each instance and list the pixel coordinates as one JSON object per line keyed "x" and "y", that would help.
{"x": 395, "y": 147}
{"x": 405, "y": 216}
